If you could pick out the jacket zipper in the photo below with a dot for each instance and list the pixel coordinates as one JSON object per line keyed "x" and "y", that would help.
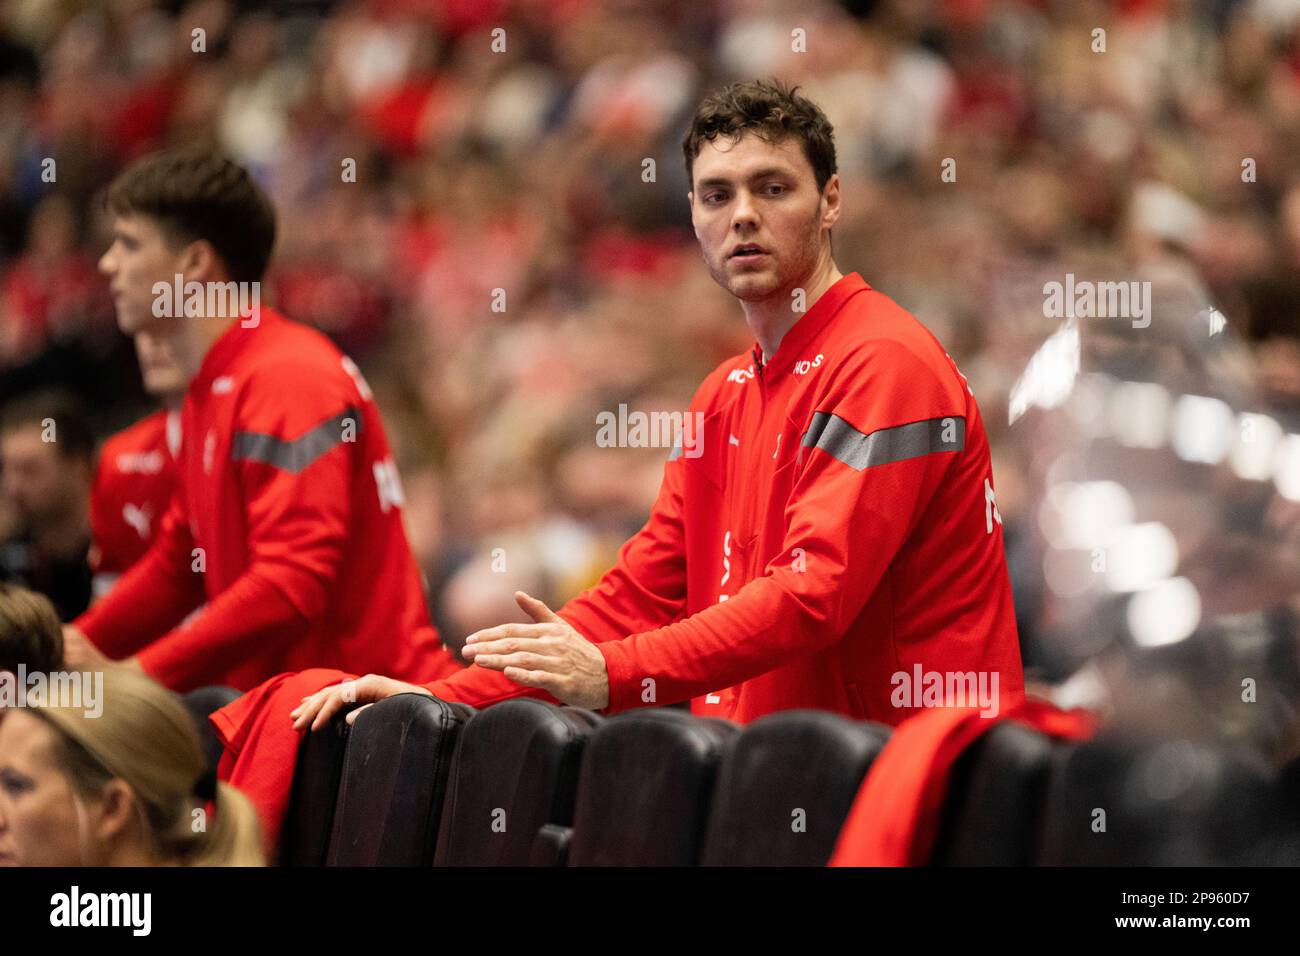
{"x": 753, "y": 494}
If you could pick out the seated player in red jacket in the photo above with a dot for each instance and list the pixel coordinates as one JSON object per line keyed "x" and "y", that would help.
{"x": 829, "y": 534}
{"x": 136, "y": 472}
{"x": 286, "y": 519}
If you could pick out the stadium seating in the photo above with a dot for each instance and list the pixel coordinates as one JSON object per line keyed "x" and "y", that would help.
{"x": 202, "y": 702}
{"x": 644, "y": 791}
{"x": 514, "y": 771}
{"x": 1167, "y": 803}
{"x": 993, "y": 815}
{"x": 551, "y": 846}
{"x": 785, "y": 787}
{"x": 394, "y": 777}
{"x": 305, "y": 838}
{"x": 418, "y": 781}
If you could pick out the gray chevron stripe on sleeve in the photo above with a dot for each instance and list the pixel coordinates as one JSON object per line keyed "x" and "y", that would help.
{"x": 293, "y": 456}
{"x": 860, "y": 451}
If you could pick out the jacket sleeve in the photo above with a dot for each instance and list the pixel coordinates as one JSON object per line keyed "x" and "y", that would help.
{"x": 293, "y": 453}
{"x": 153, "y": 595}
{"x": 645, "y": 588}
{"x": 99, "y": 520}
{"x": 873, "y": 454}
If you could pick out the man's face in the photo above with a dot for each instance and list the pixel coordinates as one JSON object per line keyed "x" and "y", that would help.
{"x": 139, "y": 256}
{"x": 40, "y": 482}
{"x": 748, "y": 191}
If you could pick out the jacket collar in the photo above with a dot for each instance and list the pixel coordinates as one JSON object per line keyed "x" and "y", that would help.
{"x": 812, "y": 322}
{"x": 228, "y": 345}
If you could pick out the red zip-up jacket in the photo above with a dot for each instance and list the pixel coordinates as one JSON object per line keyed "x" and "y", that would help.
{"x": 832, "y": 530}
{"x": 286, "y": 520}
{"x": 133, "y": 486}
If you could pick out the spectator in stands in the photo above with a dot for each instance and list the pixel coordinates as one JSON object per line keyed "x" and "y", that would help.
{"x": 30, "y": 632}
{"x": 121, "y": 789}
{"x": 46, "y": 456}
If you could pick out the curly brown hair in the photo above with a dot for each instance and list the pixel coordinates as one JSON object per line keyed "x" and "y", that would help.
{"x": 770, "y": 110}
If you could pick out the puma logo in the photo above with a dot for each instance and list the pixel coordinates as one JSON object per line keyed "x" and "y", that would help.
{"x": 137, "y": 518}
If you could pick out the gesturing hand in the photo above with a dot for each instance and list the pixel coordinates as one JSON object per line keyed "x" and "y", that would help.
{"x": 549, "y": 654}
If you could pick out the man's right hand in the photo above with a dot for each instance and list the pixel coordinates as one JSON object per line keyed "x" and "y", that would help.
{"x": 317, "y": 710}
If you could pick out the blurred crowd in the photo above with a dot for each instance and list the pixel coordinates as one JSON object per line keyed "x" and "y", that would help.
{"x": 423, "y": 154}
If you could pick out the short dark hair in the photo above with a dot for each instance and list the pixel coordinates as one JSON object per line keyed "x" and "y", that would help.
{"x": 30, "y": 631}
{"x": 770, "y": 110}
{"x": 74, "y": 429}
{"x": 200, "y": 194}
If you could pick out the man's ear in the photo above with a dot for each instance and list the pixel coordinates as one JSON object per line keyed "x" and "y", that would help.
{"x": 690, "y": 201}
{"x": 831, "y": 201}
{"x": 199, "y": 261}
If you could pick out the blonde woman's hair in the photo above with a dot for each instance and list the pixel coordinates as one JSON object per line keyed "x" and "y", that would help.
{"x": 147, "y": 738}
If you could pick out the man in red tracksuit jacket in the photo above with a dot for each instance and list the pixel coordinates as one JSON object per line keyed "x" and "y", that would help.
{"x": 133, "y": 486}
{"x": 287, "y": 514}
{"x": 136, "y": 471}
{"x": 829, "y": 534}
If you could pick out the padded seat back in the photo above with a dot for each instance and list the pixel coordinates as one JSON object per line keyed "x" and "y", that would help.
{"x": 390, "y": 795}
{"x": 993, "y": 814}
{"x": 1119, "y": 802}
{"x": 305, "y": 835}
{"x": 785, "y": 787}
{"x": 644, "y": 789}
{"x": 515, "y": 769}
{"x": 200, "y": 703}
